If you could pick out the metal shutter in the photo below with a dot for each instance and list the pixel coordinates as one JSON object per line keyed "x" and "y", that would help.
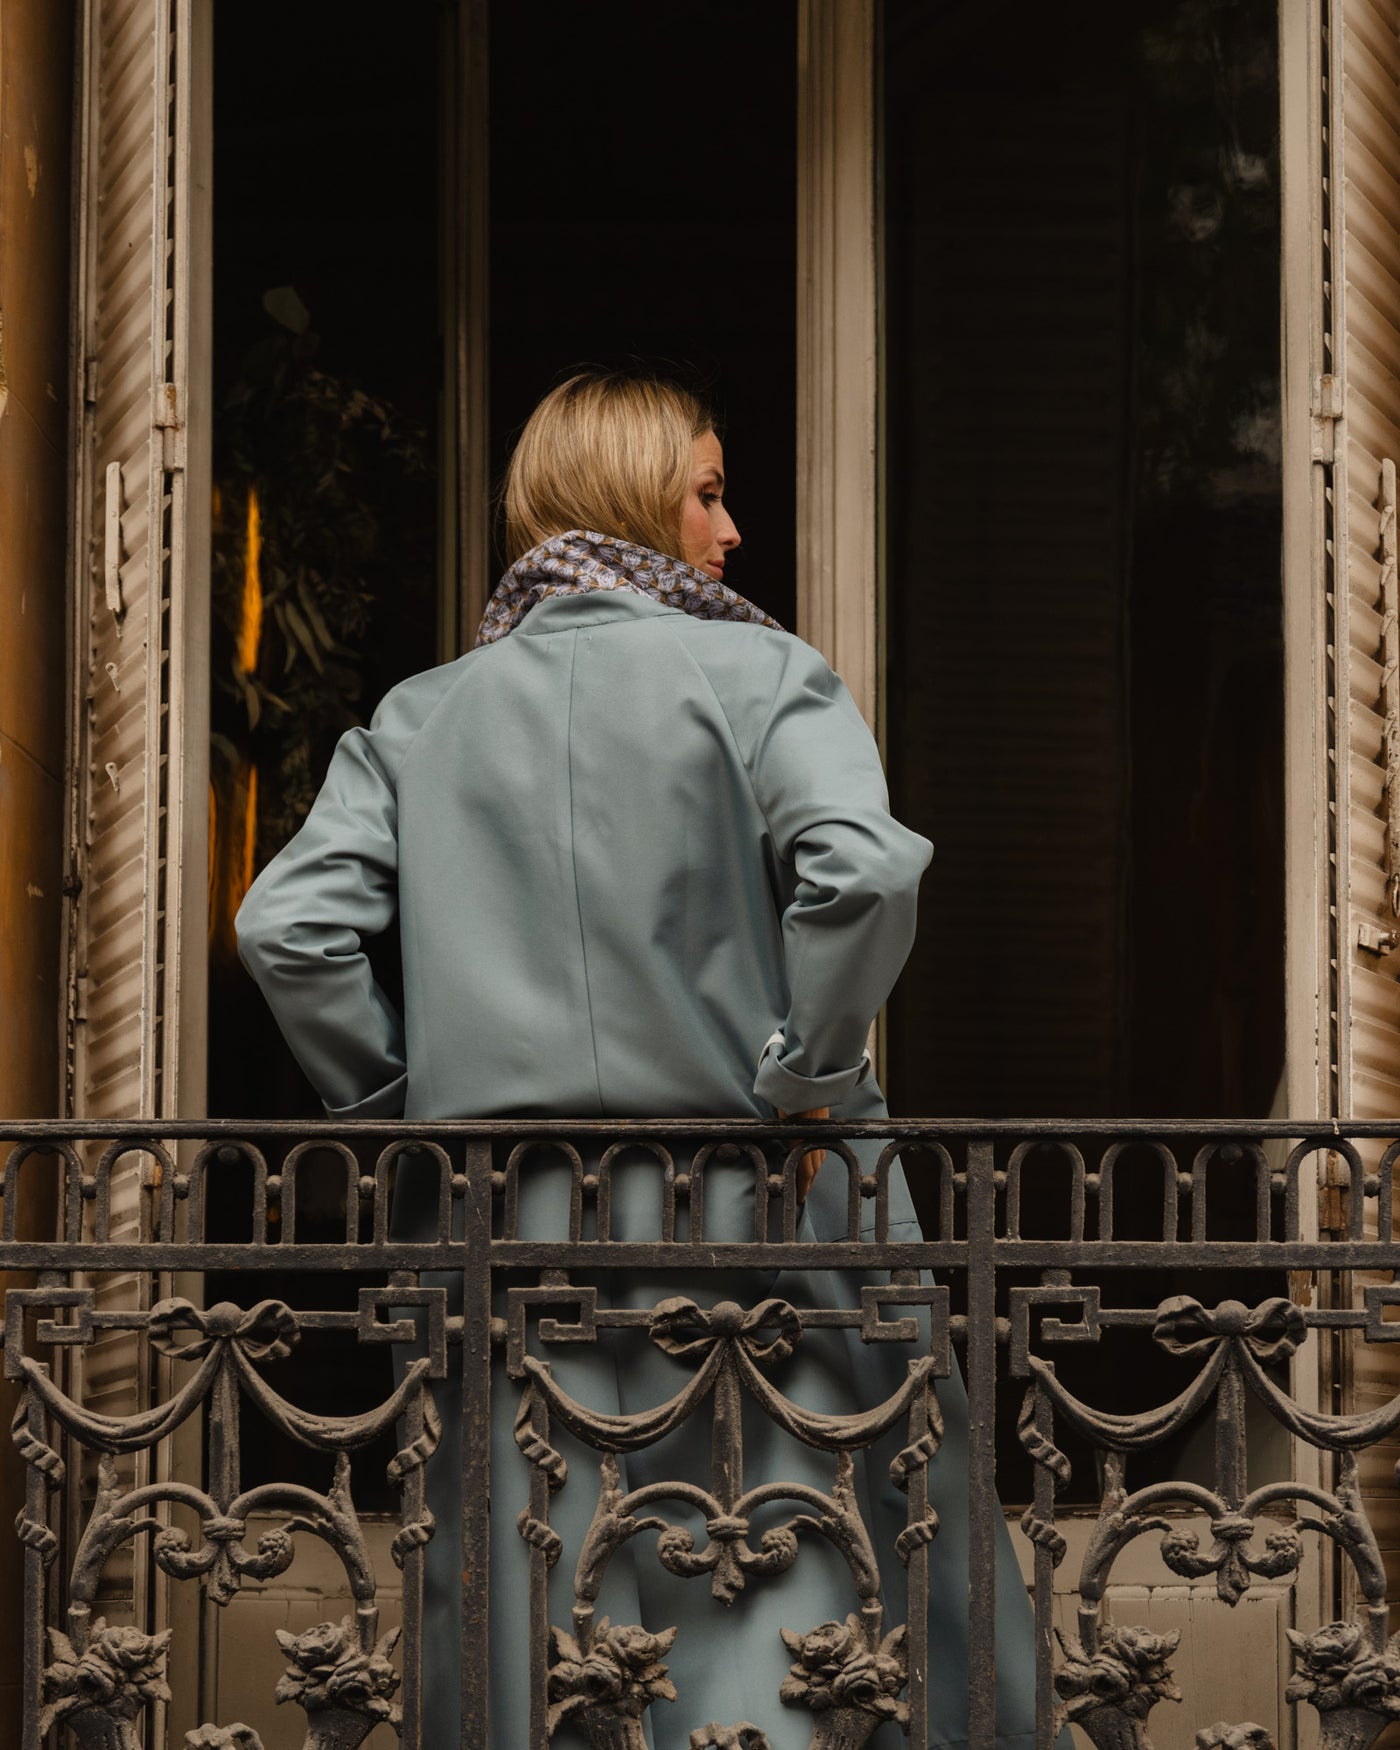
{"x": 1357, "y": 441}
{"x": 1364, "y": 393}
{"x": 138, "y": 733}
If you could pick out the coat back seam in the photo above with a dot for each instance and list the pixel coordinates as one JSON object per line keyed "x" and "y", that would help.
{"x": 704, "y": 674}
{"x": 573, "y": 860}
{"x": 448, "y": 691}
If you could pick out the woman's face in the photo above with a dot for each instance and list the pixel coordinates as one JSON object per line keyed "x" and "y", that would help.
{"x": 708, "y": 534}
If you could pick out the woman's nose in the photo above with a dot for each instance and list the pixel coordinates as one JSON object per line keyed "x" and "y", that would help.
{"x": 729, "y": 535}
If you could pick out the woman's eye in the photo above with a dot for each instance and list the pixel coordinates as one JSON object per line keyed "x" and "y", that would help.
{"x": 709, "y": 498}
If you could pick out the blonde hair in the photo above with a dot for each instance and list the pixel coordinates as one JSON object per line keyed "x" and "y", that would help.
{"x": 608, "y": 451}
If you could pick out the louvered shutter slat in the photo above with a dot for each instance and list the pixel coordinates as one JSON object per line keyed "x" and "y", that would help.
{"x": 130, "y": 757}
{"x": 131, "y": 244}
{"x": 1364, "y": 323}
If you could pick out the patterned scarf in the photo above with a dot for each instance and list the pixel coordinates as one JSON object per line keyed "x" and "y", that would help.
{"x": 582, "y": 560}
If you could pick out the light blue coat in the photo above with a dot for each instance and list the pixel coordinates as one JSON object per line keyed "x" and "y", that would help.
{"x": 624, "y": 846}
{"x": 642, "y": 865}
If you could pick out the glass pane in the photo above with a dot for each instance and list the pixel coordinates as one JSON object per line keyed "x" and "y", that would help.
{"x": 1080, "y": 307}
{"x": 327, "y": 369}
{"x": 326, "y": 374}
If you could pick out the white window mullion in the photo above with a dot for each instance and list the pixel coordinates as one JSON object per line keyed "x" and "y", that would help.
{"x": 837, "y": 384}
{"x": 464, "y": 229}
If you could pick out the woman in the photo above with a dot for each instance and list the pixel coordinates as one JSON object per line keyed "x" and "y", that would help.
{"x": 638, "y": 848}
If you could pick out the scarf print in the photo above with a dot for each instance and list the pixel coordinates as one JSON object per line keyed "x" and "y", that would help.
{"x": 582, "y": 560}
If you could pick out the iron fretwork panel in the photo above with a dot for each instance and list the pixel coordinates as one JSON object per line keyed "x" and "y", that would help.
{"x": 1244, "y": 1262}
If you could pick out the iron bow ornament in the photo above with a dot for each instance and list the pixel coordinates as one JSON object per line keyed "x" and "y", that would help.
{"x": 1269, "y": 1332}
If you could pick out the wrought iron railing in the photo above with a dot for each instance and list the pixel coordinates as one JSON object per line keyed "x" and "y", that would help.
{"x": 1107, "y": 1285}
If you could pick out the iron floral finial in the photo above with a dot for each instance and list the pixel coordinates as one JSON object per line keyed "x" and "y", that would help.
{"x": 849, "y": 1679}
{"x": 1110, "y": 1690}
{"x": 234, "y": 1737}
{"x": 100, "y": 1692}
{"x": 345, "y": 1690}
{"x": 1353, "y": 1684}
{"x": 605, "y": 1687}
{"x": 1248, "y": 1735}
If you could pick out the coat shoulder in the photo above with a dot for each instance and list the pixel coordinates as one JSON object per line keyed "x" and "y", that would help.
{"x": 406, "y": 707}
{"x": 753, "y": 669}
{"x": 413, "y": 700}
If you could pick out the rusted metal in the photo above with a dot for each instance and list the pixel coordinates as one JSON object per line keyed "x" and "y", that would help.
{"x": 514, "y": 1298}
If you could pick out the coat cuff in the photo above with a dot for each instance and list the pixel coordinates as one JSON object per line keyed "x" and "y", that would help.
{"x": 385, "y": 1102}
{"x": 790, "y": 1092}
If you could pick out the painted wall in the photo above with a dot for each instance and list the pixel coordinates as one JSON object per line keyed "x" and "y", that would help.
{"x": 36, "y": 101}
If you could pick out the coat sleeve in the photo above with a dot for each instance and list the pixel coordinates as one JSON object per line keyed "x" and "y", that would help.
{"x": 850, "y": 924}
{"x": 303, "y": 924}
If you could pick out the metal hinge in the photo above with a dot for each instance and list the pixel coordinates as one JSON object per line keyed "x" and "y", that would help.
{"x": 167, "y": 421}
{"x": 72, "y": 880}
{"x": 90, "y": 382}
{"x": 1331, "y": 1204}
{"x": 1326, "y": 411}
{"x": 1376, "y": 938}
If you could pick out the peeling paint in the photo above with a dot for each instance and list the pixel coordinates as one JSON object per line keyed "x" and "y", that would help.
{"x": 31, "y": 170}
{"x": 33, "y": 891}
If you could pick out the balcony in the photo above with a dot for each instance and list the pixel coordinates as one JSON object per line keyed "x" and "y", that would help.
{"x": 1104, "y": 1289}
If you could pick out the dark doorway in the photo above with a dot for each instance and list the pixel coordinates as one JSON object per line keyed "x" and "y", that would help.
{"x": 643, "y": 208}
{"x": 630, "y": 221}
{"x": 633, "y": 218}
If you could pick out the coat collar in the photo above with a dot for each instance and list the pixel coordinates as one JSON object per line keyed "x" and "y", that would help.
{"x": 595, "y": 607}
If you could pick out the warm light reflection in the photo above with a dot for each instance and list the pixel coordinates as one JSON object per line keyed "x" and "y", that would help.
{"x": 214, "y": 850}
{"x": 250, "y": 833}
{"x": 233, "y": 839}
{"x": 233, "y": 793}
{"x": 250, "y": 617}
